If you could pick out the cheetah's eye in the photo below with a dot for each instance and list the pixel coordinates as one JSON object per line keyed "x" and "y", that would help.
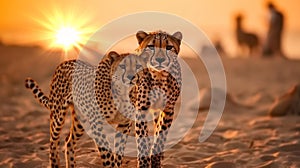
{"x": 169, "y": 47}
{"x": 138, "y": 66}
{"x": 122, "y": 66}
{"x": 151, "y": 47}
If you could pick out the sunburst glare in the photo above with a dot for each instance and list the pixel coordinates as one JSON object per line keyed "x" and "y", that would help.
{"x": 67, "y": 37}
{"x": 64, "y": 29}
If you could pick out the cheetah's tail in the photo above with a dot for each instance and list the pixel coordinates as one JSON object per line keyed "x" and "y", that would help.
{"x": 38, "y": 93}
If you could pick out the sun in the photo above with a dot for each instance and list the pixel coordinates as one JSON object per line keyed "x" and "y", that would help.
{"x": 67, "y": 37}
{"x": 64, "y": 29}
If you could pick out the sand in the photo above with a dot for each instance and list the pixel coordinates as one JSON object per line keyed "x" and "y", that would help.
{"x": 246, "y": 135}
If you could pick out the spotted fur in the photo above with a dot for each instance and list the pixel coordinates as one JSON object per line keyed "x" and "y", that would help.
{"x": 156, "y": 91}
{"x": 65, "y": 91}
{"x": 156, "y": 87}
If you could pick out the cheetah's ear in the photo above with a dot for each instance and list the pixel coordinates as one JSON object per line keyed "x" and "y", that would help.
{"x": 141, "y": 35}
{"x": 178, "y": 36}
{"x": 114, "y": 55}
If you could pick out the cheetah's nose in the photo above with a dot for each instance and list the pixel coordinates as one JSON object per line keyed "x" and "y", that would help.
{"x": 160, "y": 60}
{"x": 130, "y": 77}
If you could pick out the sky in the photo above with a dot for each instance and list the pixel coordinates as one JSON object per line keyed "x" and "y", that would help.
{"x": 24, "y": 22}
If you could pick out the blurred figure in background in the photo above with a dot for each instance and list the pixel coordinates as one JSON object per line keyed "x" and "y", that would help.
{"x": 245, "y": 40}
{"x": 273, "y": 42}
{"x": 219, "y": 47}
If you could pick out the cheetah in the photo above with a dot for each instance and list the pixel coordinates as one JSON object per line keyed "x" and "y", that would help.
{"x": 162, "y": 73}
{"x": 156, "y": 91}
{"x": 65, "y": 88}
{"x": 123, "y": 81}
{"x": 158, "y": 85}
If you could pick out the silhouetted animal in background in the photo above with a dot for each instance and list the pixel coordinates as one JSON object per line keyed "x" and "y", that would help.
{"x": 245, "y": 40}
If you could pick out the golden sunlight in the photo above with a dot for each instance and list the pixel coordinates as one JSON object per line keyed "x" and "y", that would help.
{"x": 64, "y": 29}
{"x": 67, "y": 37}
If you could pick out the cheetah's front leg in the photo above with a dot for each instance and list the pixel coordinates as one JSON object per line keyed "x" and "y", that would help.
{"x": 163, "y": 123}
{"x": 143, "y": 140}
{"x": 160, "y": 135}
{"x": 100, "y": 139}
{"x": 141, "y": 128}
{"x": 123, "y": 129}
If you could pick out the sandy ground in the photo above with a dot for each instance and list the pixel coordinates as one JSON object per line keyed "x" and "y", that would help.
{"x": 245, "y": 137}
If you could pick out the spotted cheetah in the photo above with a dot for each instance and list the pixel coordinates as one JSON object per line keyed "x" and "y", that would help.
{"x": 65, "y": 91}
{"x": 162, "y": 73}
{"x": 123, "y": 81}
{"x": 159, "y": 83}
